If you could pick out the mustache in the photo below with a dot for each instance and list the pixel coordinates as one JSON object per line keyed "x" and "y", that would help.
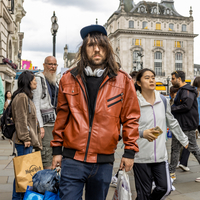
{"x": 97, "y": 54}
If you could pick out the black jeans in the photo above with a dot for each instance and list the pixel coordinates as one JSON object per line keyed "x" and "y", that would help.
{"x": 176, "y": 146}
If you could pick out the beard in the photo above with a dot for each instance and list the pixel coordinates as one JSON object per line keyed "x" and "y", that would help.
{"x": 96, "y": 64}
{"x": 51, "y": 78}
{"x": 176, "y": 85}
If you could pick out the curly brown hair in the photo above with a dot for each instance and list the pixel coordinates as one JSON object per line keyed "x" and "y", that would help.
{"x": 100, "y": 40}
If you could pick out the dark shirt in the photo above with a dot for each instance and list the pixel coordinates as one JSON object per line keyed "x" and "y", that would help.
{"x": 53, "y": 92}
{"x": 93, "y": 84}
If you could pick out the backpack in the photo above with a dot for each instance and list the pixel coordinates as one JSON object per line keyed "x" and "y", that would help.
{"x": 7, "y": 124}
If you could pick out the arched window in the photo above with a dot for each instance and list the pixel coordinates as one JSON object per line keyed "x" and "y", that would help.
{"x": 178, "y": 61}
{"x": 136, "y": 61}
{"x": 158, "y": 63}
{"x": 158, "y": 26}
{"x": 171, "y": 27}
{"x": 144, "y": 25}
{"x": 184, "y": 27}
{"x": 131, "y": 24}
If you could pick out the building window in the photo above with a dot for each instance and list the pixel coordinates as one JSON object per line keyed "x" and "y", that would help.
{"x": 158, "y": 63}
{"x": 131, "y": 24}
{"x": 177, "y": 26}
{"x": 138, "y": 23}
{"x": 136, "y": 61}
{"x": 158, "y": 43}
{"x": 178, "y": 61}
{"x": 151, "y": 24}
{"x": 158, "y": 26}
{"x": 178, "y": 44}
{"x": 144, "y": 25}
{"x": 184, "y": 28}
{"x": 164, "y": 25}
{"x": 171, "y": 27}
{"x": 137, "y": 42}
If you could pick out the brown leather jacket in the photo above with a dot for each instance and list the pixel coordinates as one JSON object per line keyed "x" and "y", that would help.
{"x": 116, "y": 104}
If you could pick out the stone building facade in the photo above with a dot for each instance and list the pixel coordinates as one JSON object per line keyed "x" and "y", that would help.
{"x": 156, "y": 31}
{"x": 11, "y": 13}
{"x": 68, "y": 57}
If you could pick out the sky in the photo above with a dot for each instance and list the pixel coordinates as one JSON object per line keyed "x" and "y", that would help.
{"x": 73, "y": 15}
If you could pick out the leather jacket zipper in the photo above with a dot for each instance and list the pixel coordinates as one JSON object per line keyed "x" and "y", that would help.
{"x": 91, "y": 121}
{"x": 115, "y": 97}
{"x": 114, "y": 103}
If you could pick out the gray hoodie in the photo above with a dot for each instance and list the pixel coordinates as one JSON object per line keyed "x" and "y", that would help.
{"x": 40, "y": 103}
{"x": 152, "y": 116}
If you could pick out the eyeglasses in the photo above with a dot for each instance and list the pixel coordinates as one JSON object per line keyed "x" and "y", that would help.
{"x": 52, "y": 64}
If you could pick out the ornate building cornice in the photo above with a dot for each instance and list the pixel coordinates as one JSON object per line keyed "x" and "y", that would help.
{"x": 156, "y": 33}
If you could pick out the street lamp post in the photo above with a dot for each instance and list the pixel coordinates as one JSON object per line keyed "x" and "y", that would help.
{"x": 54, "y": 29}
{"x": 168, "y": 79}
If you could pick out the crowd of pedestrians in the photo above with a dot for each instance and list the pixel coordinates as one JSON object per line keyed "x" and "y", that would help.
{"x": 76, "y": 123}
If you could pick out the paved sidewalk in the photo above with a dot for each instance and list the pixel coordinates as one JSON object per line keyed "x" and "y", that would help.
{"x": 186, "y": 187}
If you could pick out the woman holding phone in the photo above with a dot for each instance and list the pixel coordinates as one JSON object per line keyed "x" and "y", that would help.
{"x": 150, "y": 163}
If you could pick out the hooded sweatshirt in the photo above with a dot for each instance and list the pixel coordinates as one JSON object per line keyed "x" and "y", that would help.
{"x": 185, "y": 108}
{"x": 152, "y": 116}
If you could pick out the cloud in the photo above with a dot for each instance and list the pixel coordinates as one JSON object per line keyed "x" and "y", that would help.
{"x": 86, "y": 5}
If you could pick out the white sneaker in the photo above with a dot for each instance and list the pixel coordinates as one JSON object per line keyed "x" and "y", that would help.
{"x": 184, "y": 168}
{"x": 198, "y": 179}
{"x": 114, "y": 181}
{"x": 153, "y": 185}
{"x": 178, "y": 164}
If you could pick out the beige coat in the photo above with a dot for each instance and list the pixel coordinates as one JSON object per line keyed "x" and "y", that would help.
{"x": 25, "y": 119}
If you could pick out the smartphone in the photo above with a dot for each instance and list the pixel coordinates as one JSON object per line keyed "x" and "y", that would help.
{"x": 157, "y": 128}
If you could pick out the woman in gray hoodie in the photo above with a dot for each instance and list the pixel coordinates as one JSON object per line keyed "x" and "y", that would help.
{"x": 150, "y": 162}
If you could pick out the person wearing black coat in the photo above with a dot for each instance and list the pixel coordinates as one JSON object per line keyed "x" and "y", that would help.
{"x": 185, "y": 110}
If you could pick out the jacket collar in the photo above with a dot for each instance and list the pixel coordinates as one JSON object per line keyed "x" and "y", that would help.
{"x": 143, "y": 102}
{"x": 74, "y": 72}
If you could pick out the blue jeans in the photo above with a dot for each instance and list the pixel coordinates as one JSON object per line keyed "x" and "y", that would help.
{"x": 74, "y": 174}
{"x": 21, "y": 150}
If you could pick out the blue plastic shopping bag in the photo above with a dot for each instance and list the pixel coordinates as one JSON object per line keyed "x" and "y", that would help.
{"x": 51, "y": 196}
{"x": 30, "y": 195}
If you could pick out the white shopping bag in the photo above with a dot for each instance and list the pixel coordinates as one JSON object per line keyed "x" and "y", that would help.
{"x": 123, "y": 190}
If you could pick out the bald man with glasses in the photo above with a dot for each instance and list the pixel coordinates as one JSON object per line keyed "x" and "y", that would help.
{"x": 45, "y": 100}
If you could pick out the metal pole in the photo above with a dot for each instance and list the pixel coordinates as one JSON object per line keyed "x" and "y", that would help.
{"x": 54, "y": 45}
{"x": 168, "y": 85}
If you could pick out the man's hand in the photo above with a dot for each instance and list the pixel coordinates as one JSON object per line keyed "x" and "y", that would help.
{"x": 42, "y": 132}
{"x": 148, "y": 134}
{"x": 127, "y": 164}
{"x": 186, "y": 146}
{"x": 27, "y": 144}
{"x": 56, "y": 162}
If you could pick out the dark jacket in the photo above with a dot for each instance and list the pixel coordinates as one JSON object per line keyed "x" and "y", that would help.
{"x": 185, "y": 108}
{"x": 94, "y": 139}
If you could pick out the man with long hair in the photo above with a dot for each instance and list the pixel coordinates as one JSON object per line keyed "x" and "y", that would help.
{"x": 94, "y": 98}
{"x": 45, "y": 100}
